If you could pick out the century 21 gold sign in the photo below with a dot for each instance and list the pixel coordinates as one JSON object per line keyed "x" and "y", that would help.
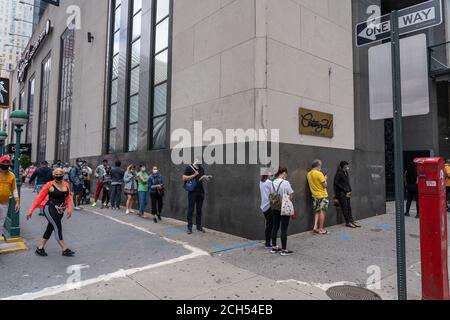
{"x": 314, "y": 123}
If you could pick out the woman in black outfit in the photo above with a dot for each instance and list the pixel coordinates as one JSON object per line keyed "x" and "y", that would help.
{"x": 343, "y": 193}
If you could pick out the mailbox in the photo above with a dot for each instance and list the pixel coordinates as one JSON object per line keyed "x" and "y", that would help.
{"x": 433, "y": 228}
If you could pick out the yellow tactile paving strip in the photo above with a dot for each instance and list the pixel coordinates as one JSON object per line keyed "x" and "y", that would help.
{"x": 12, "y": 246}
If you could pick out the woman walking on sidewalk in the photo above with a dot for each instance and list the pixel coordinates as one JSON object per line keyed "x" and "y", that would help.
{"x": 156, "y": 186}
{"x": 142, "y": 177}
{"x": 55, "y": 199}
{"x": 130, "y": 180}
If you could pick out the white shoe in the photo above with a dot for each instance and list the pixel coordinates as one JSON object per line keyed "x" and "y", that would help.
{"x": 128, "y": 212}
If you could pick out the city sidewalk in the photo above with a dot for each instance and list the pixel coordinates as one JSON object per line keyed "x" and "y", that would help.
{"x": 127, "y": 257}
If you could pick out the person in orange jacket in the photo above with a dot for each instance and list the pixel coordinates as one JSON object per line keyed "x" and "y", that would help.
{"x": 56, "y": 200}
{"x": 8, "y": 189}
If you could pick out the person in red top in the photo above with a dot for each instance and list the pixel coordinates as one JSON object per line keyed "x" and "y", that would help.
{"x": 55, "y": 199}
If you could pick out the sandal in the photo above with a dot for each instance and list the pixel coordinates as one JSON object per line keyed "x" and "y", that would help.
{"x": 324, "y": 233}
{"x": 316, "y": 231}
{"x": 350, "y": 225}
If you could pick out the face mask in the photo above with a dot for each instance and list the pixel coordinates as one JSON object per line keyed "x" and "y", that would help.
{"x": 155, "y": 171}
{"x": 143, "y": 169}
{"x": 4, "y": 167}
{"x": 59, "y": 179}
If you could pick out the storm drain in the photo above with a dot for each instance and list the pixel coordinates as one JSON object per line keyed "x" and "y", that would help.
{"x": 352, "y": 293}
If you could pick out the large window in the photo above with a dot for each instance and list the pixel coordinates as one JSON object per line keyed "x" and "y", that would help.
{"x": 66, "y": 91}
{"x": 159, "y": 89}
{"x": 30, "y": 111}
{"x": 134, "y": 75}
{"x": 139, "y": 94}
{"x": 43, "y": 110}
{"x": 114, "y": 77}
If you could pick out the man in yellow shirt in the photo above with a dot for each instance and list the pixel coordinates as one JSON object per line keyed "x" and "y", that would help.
{"x": 8, "y": 189}
{"x": 318, "y": 183}
{"x": 447, "y": 182}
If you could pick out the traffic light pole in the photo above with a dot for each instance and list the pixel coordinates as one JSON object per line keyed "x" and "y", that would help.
{"x": 399, "y": 169}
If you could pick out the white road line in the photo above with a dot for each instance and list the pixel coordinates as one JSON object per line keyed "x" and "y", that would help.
{"x": 51, "y": 291}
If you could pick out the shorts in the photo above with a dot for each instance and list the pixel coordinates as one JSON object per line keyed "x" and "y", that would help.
{"x": 129, "y": 192}
{"x": 320, "y": 204}
{"x": 78, "y": 188}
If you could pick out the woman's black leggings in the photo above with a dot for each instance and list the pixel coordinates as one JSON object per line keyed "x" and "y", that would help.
{"x": 54, "y": 223}
{"x": 157, "y": 203}
{"x": 282, "y": 221}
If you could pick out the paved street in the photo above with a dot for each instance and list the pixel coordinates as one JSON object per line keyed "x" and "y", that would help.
{"x": 126, "y": 257}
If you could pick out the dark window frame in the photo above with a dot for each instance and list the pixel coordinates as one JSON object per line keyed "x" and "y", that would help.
{"x": 112, "y": 33}
{"x": 130, "y": 42}
{"x": 168, "y": 81}
{"x": 63, "y": 153}
{"x": 30, "y": 108}
{"x": 43, "y": 113}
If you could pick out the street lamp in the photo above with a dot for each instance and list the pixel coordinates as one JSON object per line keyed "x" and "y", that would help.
{"x": 18, "y": 118}
{"x": 3, "y": 137}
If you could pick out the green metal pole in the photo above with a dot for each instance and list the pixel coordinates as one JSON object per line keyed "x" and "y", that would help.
{"x": 2, "y": 144}
{"x": 19, "y": 131}
{"x": 399, "y": 169}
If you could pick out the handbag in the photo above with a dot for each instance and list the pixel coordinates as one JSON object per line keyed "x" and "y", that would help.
{"x": 191, "y": 186}
{"x": 287, "y": 207}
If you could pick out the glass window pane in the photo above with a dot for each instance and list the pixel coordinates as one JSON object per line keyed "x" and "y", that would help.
{"x": 161, "y": 67}
{"x": 116, "y": 43}
{"x": 117, "y": 19}
{"x": 112, "y": 141}
{"x": 162, "y": 9}
{"x": 135, "y": 53}
{"x": 162, "y": 36}
{"x": 134, "y": 109}
{"x": 113, "y": 116}
{"x": 137, "y": 5}
{"x": 160, "y": 100}
{"x": 134, "y": 81}
{"x": 133, "y": 138}
{"x": 137, "y": 26}
{"x": 159, "y": 133}
{"x": 114, "y": 90}
{"x": 115, "y": 67}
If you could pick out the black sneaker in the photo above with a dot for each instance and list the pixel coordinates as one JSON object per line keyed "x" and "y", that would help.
{"x": 68, "y": 253}
{"x": 155, "y": 220}
{"x": 189, "y": 231}
{"x": 41, "y": 252}
{"x": 159, "y": 217}
{"x": 275, "y": 250}
{"x": 201, "y": 230}
{"x": 286, "y": 253}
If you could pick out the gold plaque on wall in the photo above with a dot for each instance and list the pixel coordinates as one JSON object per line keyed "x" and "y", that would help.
{"x": 314, "y": 123}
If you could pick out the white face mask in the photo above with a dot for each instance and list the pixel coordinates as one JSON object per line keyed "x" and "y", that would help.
{"x": 143, "y": 169}
{"x": 155, "y": 171}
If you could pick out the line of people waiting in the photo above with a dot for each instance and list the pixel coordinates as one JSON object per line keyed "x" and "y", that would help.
{"x": 277, "y": 197}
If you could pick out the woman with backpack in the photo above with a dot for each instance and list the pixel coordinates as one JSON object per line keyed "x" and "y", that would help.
{"x": 280, "y": 188}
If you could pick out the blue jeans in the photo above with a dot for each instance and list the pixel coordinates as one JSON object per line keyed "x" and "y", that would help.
{"x": 143, "y": 201}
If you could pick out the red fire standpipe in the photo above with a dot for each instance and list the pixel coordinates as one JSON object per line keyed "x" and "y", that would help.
{"x": 433, "y": 228}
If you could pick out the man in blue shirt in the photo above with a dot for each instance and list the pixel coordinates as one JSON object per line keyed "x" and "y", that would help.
{"x": 195, "y": 197}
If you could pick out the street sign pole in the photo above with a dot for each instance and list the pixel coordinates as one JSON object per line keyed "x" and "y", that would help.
{"x": 399, "y": 170}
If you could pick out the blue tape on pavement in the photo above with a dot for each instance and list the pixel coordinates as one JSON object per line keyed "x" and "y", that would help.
{"x": 221, "y": 248}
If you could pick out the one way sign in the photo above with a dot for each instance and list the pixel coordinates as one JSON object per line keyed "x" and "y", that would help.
{"x": 422, "y": 16}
